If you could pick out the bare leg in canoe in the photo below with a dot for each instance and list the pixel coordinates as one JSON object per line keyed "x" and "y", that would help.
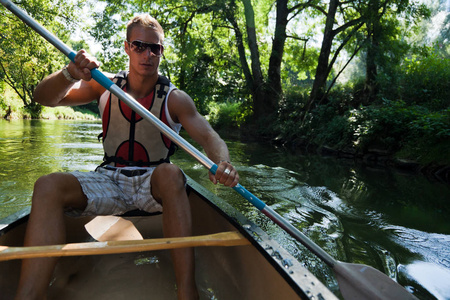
{"x": 168, "y": 188}
{"x": 55, "y": 192}
{"x": 46, "y": 227}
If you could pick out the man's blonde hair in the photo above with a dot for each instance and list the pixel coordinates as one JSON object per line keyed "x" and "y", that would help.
{"x": 144, "y": 20}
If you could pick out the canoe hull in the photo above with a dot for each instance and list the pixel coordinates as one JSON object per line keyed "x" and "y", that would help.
{"x": 239, "y": 272}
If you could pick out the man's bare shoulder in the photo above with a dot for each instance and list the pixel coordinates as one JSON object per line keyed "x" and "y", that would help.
{"x": 179, "y": 94}
{"x": 180, "y": 98}
{"x": 180, "y": 104}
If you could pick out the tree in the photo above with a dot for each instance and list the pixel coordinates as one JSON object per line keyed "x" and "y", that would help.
{"x": 353, "y": 21}
{"x": 383, "y": 48}
{"x": 266, "y": 91}
{"x": 25, "y": 57}
{"x": 370, "y": 26}
{"x": 198, "y": 56}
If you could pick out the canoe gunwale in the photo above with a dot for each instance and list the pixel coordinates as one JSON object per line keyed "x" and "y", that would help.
{"x": 14, "y": 220}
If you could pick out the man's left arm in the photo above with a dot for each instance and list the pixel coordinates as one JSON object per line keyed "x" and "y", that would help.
{"x": 182, "y": 110}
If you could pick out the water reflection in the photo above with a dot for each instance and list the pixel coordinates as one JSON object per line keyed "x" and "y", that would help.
{"x": 395, "y": 222}
{"x": 32, "y": 148}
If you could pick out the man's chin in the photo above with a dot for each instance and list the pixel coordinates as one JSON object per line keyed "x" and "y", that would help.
{"x": 147, "y": 71}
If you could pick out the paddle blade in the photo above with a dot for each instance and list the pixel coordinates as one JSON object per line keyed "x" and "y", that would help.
{"x": 112, "y": 228}
{"x": 361, "y": 282}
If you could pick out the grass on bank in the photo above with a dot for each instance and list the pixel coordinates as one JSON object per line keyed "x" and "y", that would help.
{"x": 13, "y": 108}
{"x": 68, "y": 113}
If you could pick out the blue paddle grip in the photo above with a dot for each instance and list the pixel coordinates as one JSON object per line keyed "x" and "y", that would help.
{"x": 243, "y": 192}
{"x": 96, "y": 74}
{"x": 71, "y": 55}
{"x": 250, "y": 197}
{"x": 213, "y": 169}
{"x": 102, "y": 79}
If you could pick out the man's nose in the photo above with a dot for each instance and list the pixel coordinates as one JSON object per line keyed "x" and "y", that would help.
{"x": 149, "y": 52}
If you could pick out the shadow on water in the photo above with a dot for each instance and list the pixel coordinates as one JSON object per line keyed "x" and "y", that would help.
{"x": 395, "y": 222}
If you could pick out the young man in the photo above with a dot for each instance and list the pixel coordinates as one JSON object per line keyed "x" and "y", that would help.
{"x": 131, "y": 148}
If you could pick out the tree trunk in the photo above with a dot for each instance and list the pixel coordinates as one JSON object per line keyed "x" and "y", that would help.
{"x": 241, "y": 49}
{"x": 323, "y": 69}
{"x": 274, "y": 89}
{"x": 373, "y": 33}
{"x": 258, "y": 84}
{"x": 265, "y": 94}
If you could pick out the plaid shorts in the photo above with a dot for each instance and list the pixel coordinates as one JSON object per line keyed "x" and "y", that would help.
{"x": 109, "y": 192}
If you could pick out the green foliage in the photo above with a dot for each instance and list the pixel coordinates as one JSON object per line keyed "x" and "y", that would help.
{"x": 25, "y": 57}
{"x": 332, "y": 124}
{"x": 409, "y": 131}
{"x": 425, "y": 79}
{"x": 290, "y": 112}
{"x": 227, "y": 115}
{"x": 10, "y": 107}
{"x": 396, "y": 126}
{"x": 109, "y": 30}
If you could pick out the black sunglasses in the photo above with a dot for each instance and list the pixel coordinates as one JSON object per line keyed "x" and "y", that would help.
{"x": 139, "y": 47}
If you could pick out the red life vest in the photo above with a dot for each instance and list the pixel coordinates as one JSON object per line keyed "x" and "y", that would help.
{"x": 129, "y": 140}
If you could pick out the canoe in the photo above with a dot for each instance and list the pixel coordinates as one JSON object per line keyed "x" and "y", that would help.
{"x": 254, "y": 267}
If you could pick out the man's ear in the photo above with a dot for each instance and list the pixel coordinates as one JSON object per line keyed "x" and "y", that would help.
{"x": 127, "y": 47}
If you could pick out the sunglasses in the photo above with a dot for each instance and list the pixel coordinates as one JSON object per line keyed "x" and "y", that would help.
{"x": 139, "y": 47}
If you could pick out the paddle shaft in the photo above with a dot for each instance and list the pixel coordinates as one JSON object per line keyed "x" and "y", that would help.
{"x": 200, "y": 157}
{"x": 112, "y": 247}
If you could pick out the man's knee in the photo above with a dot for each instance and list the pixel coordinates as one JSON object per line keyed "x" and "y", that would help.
{"x": 59, "y": 189}
{"x": 46, "y": 185}
{"x": 168, "y": 174}
{"x": 167, "y": 178}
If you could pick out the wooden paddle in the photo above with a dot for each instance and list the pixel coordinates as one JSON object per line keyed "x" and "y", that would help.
{"x": 356, "y": 281}
{"x": 231, "y": 238}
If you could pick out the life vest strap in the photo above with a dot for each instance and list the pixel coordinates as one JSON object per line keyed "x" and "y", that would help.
{"x": 121, "y": 161}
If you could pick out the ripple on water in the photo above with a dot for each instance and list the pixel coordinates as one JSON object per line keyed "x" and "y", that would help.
{"x": 388, "y": 261}
{"x": 433, "y": 247}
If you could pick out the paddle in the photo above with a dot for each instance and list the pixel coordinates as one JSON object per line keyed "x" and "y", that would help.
{"x": 96, "y": 248}
{"x": 356, "y": 281}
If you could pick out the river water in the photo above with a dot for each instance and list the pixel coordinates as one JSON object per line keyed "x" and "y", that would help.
{"x": 396, "y": 222}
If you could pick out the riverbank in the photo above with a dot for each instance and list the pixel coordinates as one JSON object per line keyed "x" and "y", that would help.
{"x": 374, "y": 157}
{"x": 50, "y": 113}
{"x": 428, "y": 159}
{"x": 13, "y": 108}
{"x": 395, "y": 134}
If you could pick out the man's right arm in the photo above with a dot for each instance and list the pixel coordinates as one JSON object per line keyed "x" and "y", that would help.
{"x": 57, "y": 90}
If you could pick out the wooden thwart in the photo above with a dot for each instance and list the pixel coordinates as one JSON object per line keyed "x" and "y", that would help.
{"x": 231, "y": 238}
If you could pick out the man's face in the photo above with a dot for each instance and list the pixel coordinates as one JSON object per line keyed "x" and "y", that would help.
{"x": 145, "y": 63}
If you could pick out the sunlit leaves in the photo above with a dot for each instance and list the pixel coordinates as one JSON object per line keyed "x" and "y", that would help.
{"x": 25, "y": 57}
